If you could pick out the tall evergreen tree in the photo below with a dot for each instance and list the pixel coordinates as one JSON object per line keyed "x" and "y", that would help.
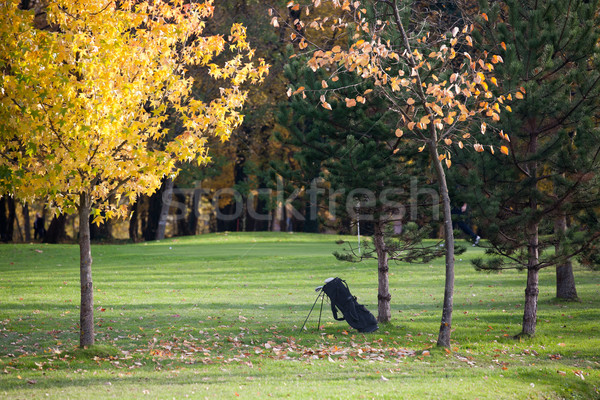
{"x": 551, "y": 64}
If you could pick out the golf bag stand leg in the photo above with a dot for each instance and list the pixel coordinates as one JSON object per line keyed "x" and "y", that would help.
{"x": 321, "y": 295}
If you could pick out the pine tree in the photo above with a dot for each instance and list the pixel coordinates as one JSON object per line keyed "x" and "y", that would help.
{"x": 551, "y": 66}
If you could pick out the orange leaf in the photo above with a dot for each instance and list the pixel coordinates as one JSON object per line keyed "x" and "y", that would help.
{"x": 350, "y": 102}
{"x": 484, "y": 16}
{"x": 399, "y": 132}
{"x": 504, "y": 150}
{"x": 326, "y": 105}
{"x": 519, "y": 95}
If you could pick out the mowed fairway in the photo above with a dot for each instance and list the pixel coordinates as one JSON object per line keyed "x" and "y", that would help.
{"x": 218, "y": 316}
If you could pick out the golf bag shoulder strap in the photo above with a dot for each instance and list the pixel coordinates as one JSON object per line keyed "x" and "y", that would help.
{"x": 335, "y": 314}
{"x": 355, "y": 314}
{"x": 339, "y": 294}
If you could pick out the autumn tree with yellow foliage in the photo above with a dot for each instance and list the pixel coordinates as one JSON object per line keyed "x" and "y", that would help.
{"x": 86, "y": 88}
{"x": 436, "y": 83}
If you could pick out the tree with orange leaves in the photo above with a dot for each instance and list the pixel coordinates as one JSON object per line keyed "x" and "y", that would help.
{"x": 436, "y": 82}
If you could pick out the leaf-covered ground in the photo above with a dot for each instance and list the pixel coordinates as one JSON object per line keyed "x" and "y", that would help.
{"x": 218, "y": 316}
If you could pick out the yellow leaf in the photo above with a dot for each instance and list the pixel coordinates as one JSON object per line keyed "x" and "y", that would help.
{"x": 448, "y": 141}
{"x": 504, "y": 150}
{"x": 508, "y": 109}
{"x": 336, "y": 49}
{"x": 519, "y": 95}
{"x": 494, "y": 81}
{"x": 448, "y": 163}
{"x": 421, "y": 148}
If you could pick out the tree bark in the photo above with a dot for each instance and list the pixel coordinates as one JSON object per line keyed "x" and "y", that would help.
{"x": 565, "y": 280}
{"x": 532, "y": 288}
{"x": 531, "y": 299}
{"x": 56, "y": 232}
{"x": 448, "y": 305}
{"x": 133, "y": 222}
{"x": 384, "y": 313}
{"x": 26, "y": 223}
{"x": 86, "y": 310}
{"x": 164, "y": 209}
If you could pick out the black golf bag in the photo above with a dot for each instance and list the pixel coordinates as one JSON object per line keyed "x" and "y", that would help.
{"x": 355, "y": 314}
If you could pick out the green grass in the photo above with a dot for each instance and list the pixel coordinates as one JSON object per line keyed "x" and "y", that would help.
{"x": 218, "y": 316}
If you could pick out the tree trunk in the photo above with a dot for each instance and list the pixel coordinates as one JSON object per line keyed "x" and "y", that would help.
{"x": 532, "y": 290}
{"x": 164, "y": 209}
{"x": 531, "y": 298}
{"x": 7, "y": 218}
{"x": 56, "y": 232}
{"x": 446, "y": 323}
{"x": 565, "y": 280}
{"x": 12, "y": 216}
{"x": 384, "y": 313}
{"x": 26, "y": 223}
{"x": 133, "y": 222}
{"x": 86, "y": 310}
{"x": 193, "y": 216}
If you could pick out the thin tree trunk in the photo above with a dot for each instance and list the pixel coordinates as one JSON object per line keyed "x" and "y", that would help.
{"x": 531, "y": 299}
{"x": 133, "y": 222}
{"x": 565, "y": 280}
{"x": 86, "y": 311}
{"x": 164, "y": 209}
{"x": 532, "y": 290}
{"x": 384, "y": 313}
{"x": 26, "y": 223}
{"x": 446, "y": 323}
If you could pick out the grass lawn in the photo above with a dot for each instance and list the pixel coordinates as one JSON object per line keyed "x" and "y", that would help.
{"x": 218, "y": 316}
